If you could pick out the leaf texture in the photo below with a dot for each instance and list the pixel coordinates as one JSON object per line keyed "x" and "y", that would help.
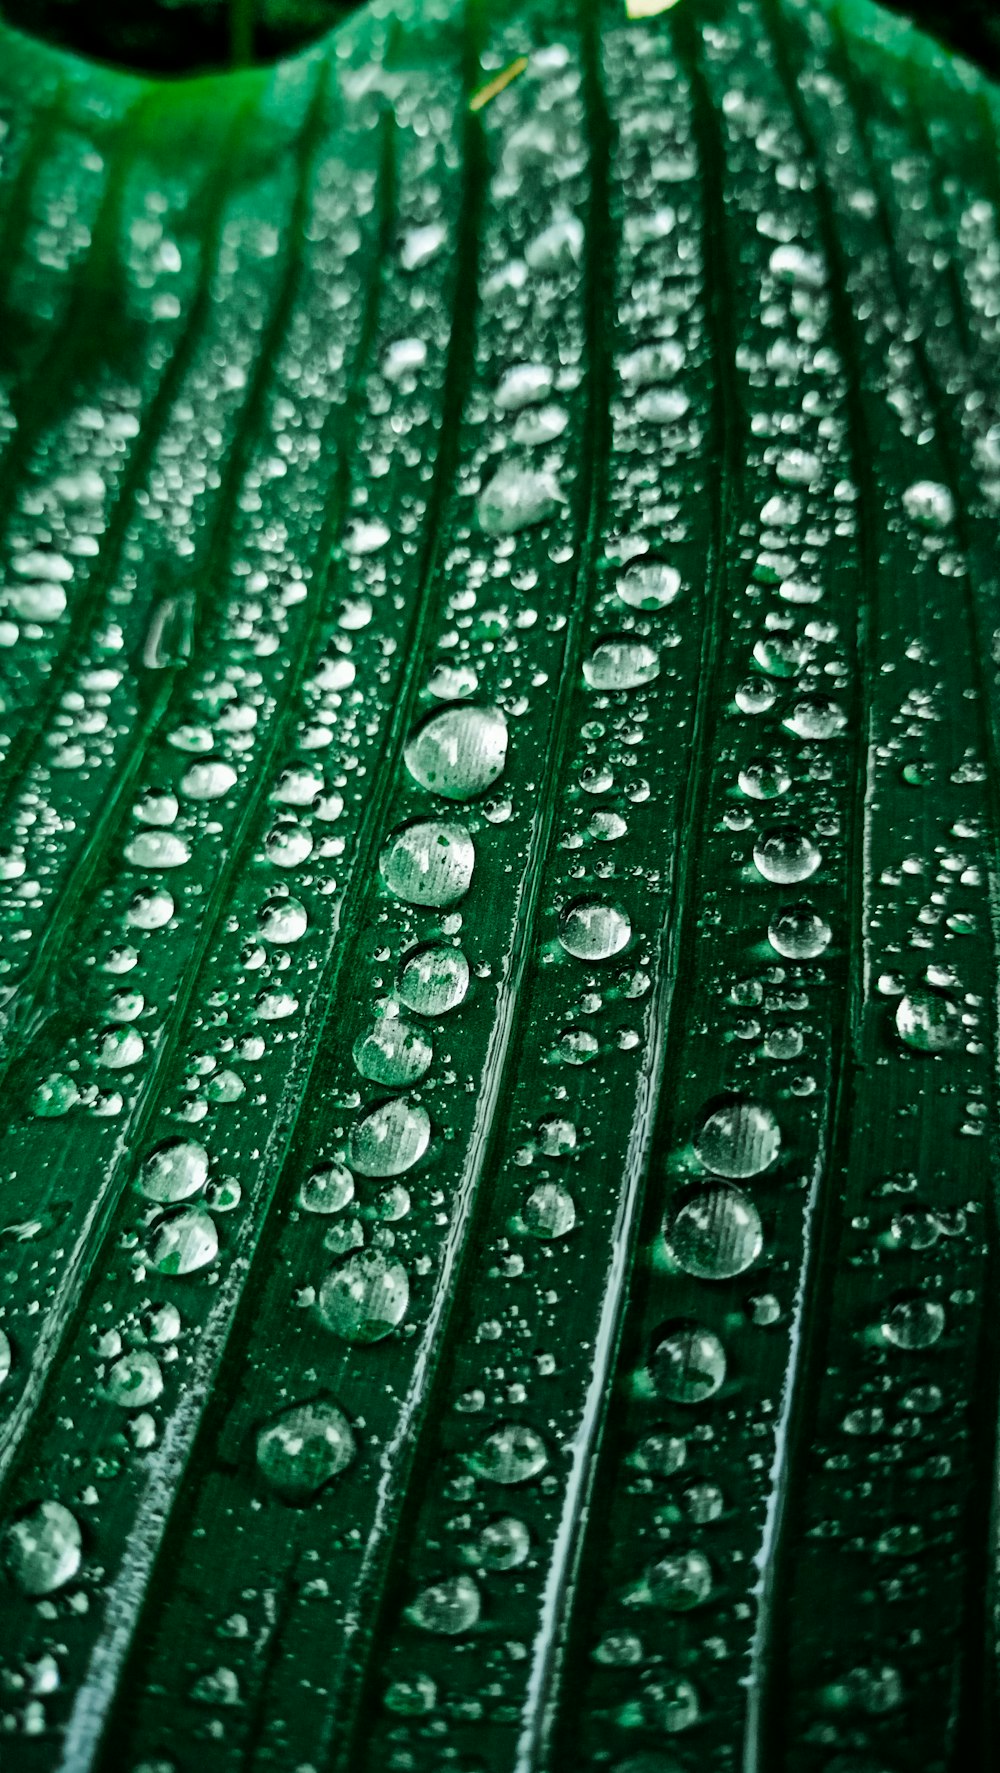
{"x": 498, "y": 900}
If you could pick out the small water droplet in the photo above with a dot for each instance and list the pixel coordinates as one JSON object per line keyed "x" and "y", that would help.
{"x": 651, "y": 584}
{"x": 621, "y": 665}
{"x": 914, "y": 1323}
{"x": 434, "y": 980}
{"x": 185, "y": 1242}
{"x": 447, "y": 1609}
{"x": 282, "y": 920}
{"x": 687, "y": 1363}
{"x": 797, "y": 932}
{"x": 517, "y": 497}
{"x": 929, "y": 1021}
{"x": 174, "y": 1171}
{"x": 393, "y": 1052}
{"x": 549, "y": 1211}
{"x": 135, "y": 1380}
{"x": 43, "y": 1548}
{"x": 512, "y": 1454}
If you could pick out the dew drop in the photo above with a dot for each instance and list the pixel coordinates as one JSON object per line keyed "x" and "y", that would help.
{"x": 135, "y": 1380}
{"x": 428, "y": 862}
{"x": 150, "y": 910}
{"x": 681, "y": 1581}
{"x": 512, "y": 1454}
{"x": 503, "y": 1544}
{"x": 715, "y": 1233}
{"x": 737, "y": 1137}
{"x": 157, "y": 849}
{"x": 43, "y": 1548}
{"x": 687, "y": 1363}
{"x": 393, "y": 1052}
{"x": 785, "y": 855}
{"x": 929, "y": 1021}
{"x": 174, "y": 1171}
{"x": 590, "y": 929}
{"x": 299, "y": 1451}
{"x": 516, "y": 498}
{"x": 327, "y": 1190}
{"x": 549, "y": 1211}
{"x": 185, "y": 1242}
{"x": 816, "y": 717}
{"x": 282, "y": 920}
{"x": 556, "y": 1136}
{"x": 621, "y": 665}
{"x": 434, "y": 981}
{"x": 914, "y": 1323}
{"x": 930, "y": 504}
{"x": 797, "y": 932}
{"x": 208, "y": 779}
{"x": 764, "y": 778}
{"x": 389, "y": 1138}
{"x": 365, "y": 1298}
{"x": 651, "y": 584}
{"x": 460, "y": 752}
{"x": 447, "y": 1609}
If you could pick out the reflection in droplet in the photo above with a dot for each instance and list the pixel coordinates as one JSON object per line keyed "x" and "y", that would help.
{"x": 428, "y": 862}
{"x": 389, "y": 1138}
{"x": 929, "y": 1021}
{"x": 737, "y": 1137}
{"x": 299, "y": 1451}
{"x": 434, "y": 981}
{"x": 785, "y": 855}
{"x": 715, "y": 1233}
{"x": 459, "y": 752}
{"x": 797, "y": 932}
{"x": 591, "y": 929}
{"x": 687, "y": 1363}
{"x": 365, "y": 1298}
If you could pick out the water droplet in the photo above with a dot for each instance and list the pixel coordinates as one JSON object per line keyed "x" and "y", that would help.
{"x": 503, "y": 1544}
{"x": 42, "y": 1550}
{"x": 621, "y": 665}
{"x": 688, "y": 1363}
{"x": 327, "y": 1190}
{"x": 517, "y": 497}
{"x": 549, "y": 1211}
{"x": 185, "y": 1242}
{"x": 512, "y": 1454}
{"x": 577, "y": 1046}
{"x": 523, "y": 385}
{"x": 651, "y": 584}
{"x": 590, "y": 929}
{"x": 930, "y": 504}
{"x": 764, "y": 778}
{"x": 208, "y": 779}
{"x": 446, "y": 1608}
{"x": 393, "y": 1052}
{"x": 428, "y": 862}
{"x": 303, "y": 1448}
{"x": 816, "y": 717}
{"x": 681, "y": 1581}
{"x": 157, "y": 807}
{"x": 282, "y": 920}
{"x": 365, "y": 1298}
{"x": 737, "y": 1137}
{"x": 288, "y": 844}
{"x": 652, "y": 363}
{"x": 715, "y": 1233}
{"x": 797, "y": 932}
{"x": 389, "y": 1138}
{"x": 755, "y": 696}
{"x": 434, "y": 981}
{"x": 157, "y": 849}
{"x": 135, "y": 1380}
{"x": 175, "y": 1170}
{"x": 556, "y": 1136}
{"x": 460, "y": 752}
{"x": 413, "y": 1698}
{"x": 914, "y": 1323}
{"x": 660, "y": 1454}
{"x": 119, "y": 1048}
{"x": 785, "y": 855}
{"x": 929, "y": 1021}
{"x": 54, "y": 1096}
{"x": 150, "y": 910}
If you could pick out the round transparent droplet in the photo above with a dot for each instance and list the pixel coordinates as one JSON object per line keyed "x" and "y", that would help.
{"x": 208, "y": 779}
{"x": 577, "y": 1046}
{"x": 592, "y": 929}
{"x": 929, "y": 504}
{"x": 428, "y": 862}
{"x": 672, "y": 1705}
{"x": 434, "y": 981}
{"x": 134, "y": 1381}
{"x": 185, "y": 1243}
{"x": 755, "y": 696}
{"x": 157, "y": 807}
{"x": 365, "y": 1298}
{"x": 929, "y": 1021}
{"x": 512, "y": 1454}
{"x": 389, "y": 1138}
{"x": 556, "y": 1136}
{"x": 503, "y": 1544}
{"x": 764, "y": 778}
{"x": 681, "y": 1581}
{"x": 282, "y": 921}
{"x": 299, "y": 1451}
{"x": 797, "y": 932}
{"x": 393, "y": 1052}
{"x": 549, "y": 1211}
{"x": 119, "y": 1048}
{"x": 43, "y": 1549}
{"x": 687, "y": 1363}
{"x": 785, "y": 855}
{"x": 288, "y": 844}
{"x": 914, "y": 1323}
{"x": 816, "y": 717}
{"x": 460, "y": 752}
{"x": 659, "y": 1454}
{"x": 150, "y": 910}
{"x": 649, "y": 585}
{"x": 446, "y": 1609}
{"x": 174, "y": 1171}
{"x": 412, "y": 1698}
{"x": 737, "y": 1137}
{"x": 715, "y": 1233}
{"x": 517, "y": 497}
{"x": 157, "y": 849}
{"x": 621, "y": 665}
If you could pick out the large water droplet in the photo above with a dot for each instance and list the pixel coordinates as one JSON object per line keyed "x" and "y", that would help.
{"x": 157, "y": 849}
{"x": 621, "y": 665}
{"x": 135, "y": 1380}
{"x": 930, "y": 504}
{"x": 282, "y": 920}
{"x": 929, "y": 1021}
{"x": 764, "y": 778}
{"x": 151, "y": 909}
{"x": 914, "y": 1323}
{"x": 680, "y": 1581}
{"x": 185, "y": 1242}
{"x": 816, "y": 717}
{"x": 715, "y": 1233}
{"x": 365, "y": 1298}
{"x": 651, "y": 584}
{"x": 687, "y": 1363}
{"x": 393, "y": 1052}
{"x": 303, "y": 1448}
{"x": 327, "y": 1190}
{"x": 446, "y": 1608}
{"x": 503, "y": 1544}
{"x": 522, "y": 385}
{"x": 42, "y": 1550}
{"x": 737, "y": 1137}
{"x": 434, "y": 981}
{"x": 512, "y": 1454}
{"x": 549, "y": 1211}
{"x": 517, "y": 497}
{"x": 389, "y": 1138}
{"x": 175, "y": 1170}
{"x": 208, "y": 779}
{"x": 428, "y": 862}
{"x": 459, "y": 752}
{"x": 797, "y": 932}
{"x": 590, "y": 929}
{"x": 786, "y": 855}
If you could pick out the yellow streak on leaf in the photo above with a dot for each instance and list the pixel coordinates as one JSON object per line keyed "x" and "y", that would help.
{"x": 485, "y": 93}
{"x": 647, "y": 8}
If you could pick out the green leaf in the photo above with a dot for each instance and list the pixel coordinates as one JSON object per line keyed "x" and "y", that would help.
{"x": 498, "y": 909}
